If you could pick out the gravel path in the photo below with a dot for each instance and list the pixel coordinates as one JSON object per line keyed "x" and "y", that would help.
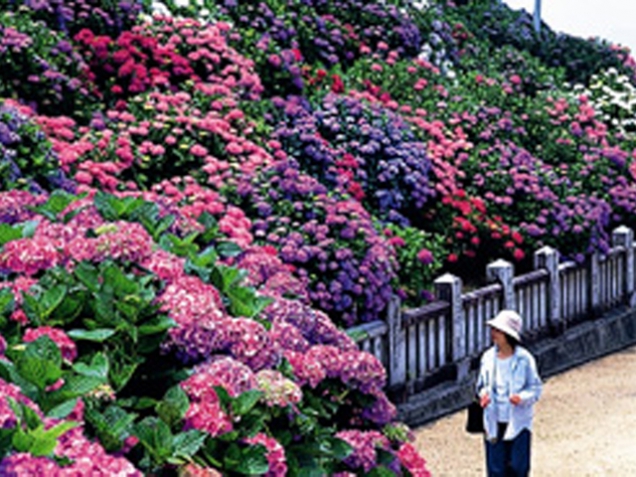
{"x": 585, "y": 425}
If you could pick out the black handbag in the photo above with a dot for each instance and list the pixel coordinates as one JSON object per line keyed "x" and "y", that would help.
{"x": 474, "y": 418}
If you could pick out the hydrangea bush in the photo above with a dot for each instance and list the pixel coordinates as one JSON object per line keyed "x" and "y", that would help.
{"x": 330, "y": 241}
{"x": 362, "y": 148}
{"x": 147, "y": 356}
{"x": 40, "y": 67}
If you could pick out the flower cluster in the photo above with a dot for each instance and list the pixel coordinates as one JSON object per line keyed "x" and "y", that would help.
{"x": 268, "y": 273}
{"x": 331, "y": 243}
{"x": 40, "y": 67}
{"x": 166, "y": 53}
{"x": 26, "y": 157}
{"x": 318, "y": 33}
{"x": 614, "y": 97}
{"x": 70, "y": 16}
{"x": 366, "y": 149}
{"x": 277, "y": 390}
{"x": 205, "y": 411}
{"x": 17, "y": 206}
{"x": 412, "y": 461}
{"x": 160, "y": 136}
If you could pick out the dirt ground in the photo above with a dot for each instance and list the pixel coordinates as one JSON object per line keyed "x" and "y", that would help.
{"x": 585, "y": 425}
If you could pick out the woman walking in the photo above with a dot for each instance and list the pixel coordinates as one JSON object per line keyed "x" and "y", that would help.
{"x": 508, "y": 386}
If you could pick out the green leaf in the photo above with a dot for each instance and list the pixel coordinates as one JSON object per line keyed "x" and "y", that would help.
{"x": 250, "y": 460}
{"x": 44, "y": 441}
{"x": 229, "y": 249}
{"x": 244, "y": 403}
{"x": 104, "y": 307}
{"x": 40, "y": 363}
{"x": 211, "y": 227}
{"x": 9, "y": 233}
{"x": 32, "y": 308}
{"x": 58, "y": 201}
{"x": 173, "y": 406}
{"x": 106, "y": 205}
{"x": 224, "y": 398}
{"x": 6, "y": 301}
{"x": 338, "y": 448}
{"x": 29, "y": 228}
{"x": 75, "y": 386}
{"x": 112, "y": 426}
{"x": 88, "y": 275}
{"x": 381, "y": 472}
{"x": 98, "y": 367}
{"x": 158, "y": 324}
{"x": 98, "y": 335}
{"x": 120, "y": 375}
{"x": 61, "y": 411}
{"x": 245, "y": 302}
{"x": 6, "y": 436}
{"x": 22, "y": 440}
{"x": 206, "y": 257}
{"x": 51, "y": 299}
{"x": 121, "y": 284}
{"x": 31, "y": 417}
{"x": 155, "y": 436}
{"x": 188, "y": 443}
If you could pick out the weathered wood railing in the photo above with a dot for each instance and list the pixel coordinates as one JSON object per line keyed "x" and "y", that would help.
{"x": 418, "y": 345}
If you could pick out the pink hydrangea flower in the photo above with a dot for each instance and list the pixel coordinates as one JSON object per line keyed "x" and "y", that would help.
{"x": 412, "y": 461}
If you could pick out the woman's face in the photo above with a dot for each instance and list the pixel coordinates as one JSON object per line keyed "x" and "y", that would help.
{"x": 498, "y": 337}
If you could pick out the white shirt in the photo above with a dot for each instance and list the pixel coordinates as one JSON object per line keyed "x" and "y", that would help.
{"x": 502, "y": 389}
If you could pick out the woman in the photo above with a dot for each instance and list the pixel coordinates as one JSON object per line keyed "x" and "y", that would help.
{"x": 508, "y": 386}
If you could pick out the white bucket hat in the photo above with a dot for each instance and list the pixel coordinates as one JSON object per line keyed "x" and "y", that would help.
{"x": 509, "y": 322}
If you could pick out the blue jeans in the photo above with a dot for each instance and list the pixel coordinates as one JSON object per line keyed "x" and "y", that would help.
{"x": 508, "y": 458}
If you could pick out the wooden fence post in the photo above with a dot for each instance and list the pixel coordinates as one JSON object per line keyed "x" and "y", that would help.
{"x": 548, "y": 258}
{"x": 594, "y": 285}
{"x": 397, "y": 343}
{"x": 503, "y": 272}
{"x": 449, "y": 288}
{"x": 624, "y": 236}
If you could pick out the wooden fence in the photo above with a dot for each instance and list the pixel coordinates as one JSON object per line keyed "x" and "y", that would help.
{"x": 424, "y": 346}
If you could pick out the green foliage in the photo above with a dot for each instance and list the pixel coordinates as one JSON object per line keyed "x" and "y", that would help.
{"x": 29, "y": 434}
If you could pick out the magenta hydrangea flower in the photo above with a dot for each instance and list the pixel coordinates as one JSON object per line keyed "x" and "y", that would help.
{"x": 205, "y": 411}
{"x": 307, "y": 371}
{"x": 29, "y": 256}
{"x": 16, "y": 206}
{"x": 412, "y": 461}
{"x": 249, "y": 342}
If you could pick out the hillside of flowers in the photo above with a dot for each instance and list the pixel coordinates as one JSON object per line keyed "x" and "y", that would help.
{"x": 197, "y": 199}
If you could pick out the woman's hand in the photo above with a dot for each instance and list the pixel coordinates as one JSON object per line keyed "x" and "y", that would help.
{"x": 515, "y": 399}
{"x": 484, "y": 400}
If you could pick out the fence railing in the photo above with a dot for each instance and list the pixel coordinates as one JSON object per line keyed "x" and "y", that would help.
{"x": 418, "y": 345}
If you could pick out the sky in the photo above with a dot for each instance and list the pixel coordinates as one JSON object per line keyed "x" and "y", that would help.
{"x": 613, "y": 20}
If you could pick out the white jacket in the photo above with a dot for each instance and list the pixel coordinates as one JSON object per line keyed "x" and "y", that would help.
{"x": 525, "y": 382}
